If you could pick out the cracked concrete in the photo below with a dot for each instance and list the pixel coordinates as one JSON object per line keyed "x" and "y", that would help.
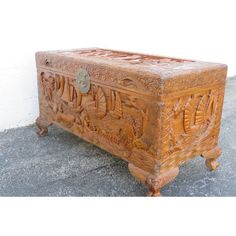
{"x": 62, "y": 164}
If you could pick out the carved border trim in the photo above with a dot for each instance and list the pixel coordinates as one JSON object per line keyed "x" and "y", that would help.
{"x": 138, "y": 93}
{"x": 189, "y": 91}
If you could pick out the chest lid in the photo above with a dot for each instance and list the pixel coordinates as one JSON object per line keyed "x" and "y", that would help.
{"x": 162, "y": 66}
{"x": 150, "y": 71}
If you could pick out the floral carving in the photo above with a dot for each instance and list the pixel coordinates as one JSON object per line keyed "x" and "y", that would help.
{"x": 101, "y": 74}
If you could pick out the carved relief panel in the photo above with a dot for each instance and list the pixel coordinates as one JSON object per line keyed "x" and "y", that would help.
{"x": 190, "y": 125}
{"x": 119, "y": 120}
{"x": 154, "y": 112}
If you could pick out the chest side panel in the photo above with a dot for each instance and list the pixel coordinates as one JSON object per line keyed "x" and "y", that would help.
{"x": 191, "y": 118}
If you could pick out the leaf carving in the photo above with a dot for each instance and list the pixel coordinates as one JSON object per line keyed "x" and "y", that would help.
{"x": 129, "y": 83}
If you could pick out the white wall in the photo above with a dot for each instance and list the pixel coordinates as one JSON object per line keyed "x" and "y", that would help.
{"x": 200, "y": 29}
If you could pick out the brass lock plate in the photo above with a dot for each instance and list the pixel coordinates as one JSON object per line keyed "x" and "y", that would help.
{"x": 83, "y": 80}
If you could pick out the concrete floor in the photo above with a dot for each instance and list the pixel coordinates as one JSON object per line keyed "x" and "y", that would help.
{"x": 62, "y": 164}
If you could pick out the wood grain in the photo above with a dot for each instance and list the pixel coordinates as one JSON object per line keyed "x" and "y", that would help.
{"x": 154, "y": 112}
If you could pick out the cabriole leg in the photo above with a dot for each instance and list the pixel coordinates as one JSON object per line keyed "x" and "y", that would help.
{"x": 211, "y": 158}
{"x": 42, "y": 126}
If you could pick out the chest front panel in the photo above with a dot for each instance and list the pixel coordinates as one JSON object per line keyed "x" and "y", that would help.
{"x": 124, "y": 123}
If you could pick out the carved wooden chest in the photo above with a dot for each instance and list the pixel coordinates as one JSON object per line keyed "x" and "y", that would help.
{"x": 154, "y": 112}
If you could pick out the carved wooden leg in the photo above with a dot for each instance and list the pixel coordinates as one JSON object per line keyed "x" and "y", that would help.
{"x": 211, "y": 158}
{"x": 42, "y": 126}
{"x": 154, "y": 183}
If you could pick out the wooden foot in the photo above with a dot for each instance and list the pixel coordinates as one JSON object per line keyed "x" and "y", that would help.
{"x": 154, "y": 182}
{"x": 212, "y": 164}
{"x": 211, "y": 158}
{"x": 42, "y": 126}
